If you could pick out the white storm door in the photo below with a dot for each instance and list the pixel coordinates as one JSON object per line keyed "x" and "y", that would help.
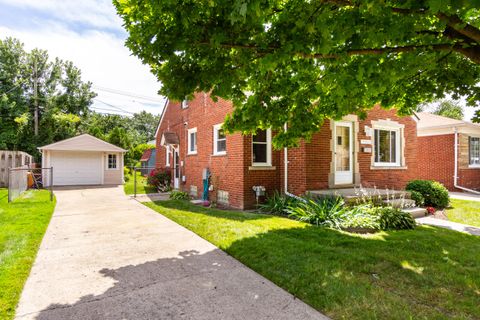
{"x": 176, "y": 169}
{"x": 343, "y": 152}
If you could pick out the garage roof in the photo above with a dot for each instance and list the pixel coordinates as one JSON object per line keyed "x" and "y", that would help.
{"x": 84, "y": 142}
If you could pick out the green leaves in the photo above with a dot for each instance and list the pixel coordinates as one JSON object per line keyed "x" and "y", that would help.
{"x": 303, "y": 62}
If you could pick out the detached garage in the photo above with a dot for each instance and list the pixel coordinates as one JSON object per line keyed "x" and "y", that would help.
{"x": 83, "y": 160}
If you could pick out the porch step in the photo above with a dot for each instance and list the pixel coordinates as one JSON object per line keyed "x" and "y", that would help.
{"x": 416, "y": 212}
{"x": 360, "y": 194}
{"x": 400, "y": 203}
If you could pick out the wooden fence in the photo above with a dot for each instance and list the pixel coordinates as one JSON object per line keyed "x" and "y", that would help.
{"x": 12, "y": 159}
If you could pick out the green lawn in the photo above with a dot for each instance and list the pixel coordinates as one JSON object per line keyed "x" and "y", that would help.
{"x": 142, "y": 187}
{"x": 464, "y": 211}
{"x": 22, "y": 226}
{"x": 426, "y": 273}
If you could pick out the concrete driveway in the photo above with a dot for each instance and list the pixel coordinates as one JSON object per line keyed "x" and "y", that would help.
{"x": 106, "y": 256}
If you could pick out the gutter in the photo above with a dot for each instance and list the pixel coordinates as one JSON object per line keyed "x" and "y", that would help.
{"x": 455, "y": 176}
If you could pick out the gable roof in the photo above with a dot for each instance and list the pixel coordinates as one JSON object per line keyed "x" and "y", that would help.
{"x": 83, "y": 142}
{"x": 431, "y": 124}
{"x": 146, "y": 155}
{"x": 161, "y": 117}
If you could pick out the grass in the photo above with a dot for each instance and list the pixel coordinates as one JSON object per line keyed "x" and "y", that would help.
{"x": 426, "y": 273}
{"x": 22, "y": 226}
{"x": 464, "y": 211}
{"x": 142, "y": 186}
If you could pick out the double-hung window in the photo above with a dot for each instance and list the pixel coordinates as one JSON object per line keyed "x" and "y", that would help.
{"x": 219, "y": 140}
{"x": 262, "y": 148}
{"x": 192, "y": 141}
{"x": 112, "y": 161}
{"x": 474, "y": 151}
{"x": 387, "y": 147}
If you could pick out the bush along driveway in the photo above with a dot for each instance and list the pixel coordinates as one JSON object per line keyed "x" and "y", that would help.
{"x": 425, "y": 273}
{"x": 22, "y": 226}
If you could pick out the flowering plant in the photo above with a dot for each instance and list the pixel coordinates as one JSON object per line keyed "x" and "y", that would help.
{"x": 160, "y": 179}
{"x": 431, "y": 210}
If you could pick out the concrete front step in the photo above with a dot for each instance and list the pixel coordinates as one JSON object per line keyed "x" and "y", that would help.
{"x": 400, "y": 203}
{"x": 416, "y": 212}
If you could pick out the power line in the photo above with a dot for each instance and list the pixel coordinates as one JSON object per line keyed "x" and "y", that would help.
{"x": 126, "y": 93}
{"x": 114, "y": 106}
{"x": 106, "y": 109}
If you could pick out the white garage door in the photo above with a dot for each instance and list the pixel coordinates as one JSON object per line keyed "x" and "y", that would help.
{"x": 76, "y": 168}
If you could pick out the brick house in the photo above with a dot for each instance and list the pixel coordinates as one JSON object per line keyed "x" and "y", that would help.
{"x": 379, "y": 151}
{"x": 449, "y": 151}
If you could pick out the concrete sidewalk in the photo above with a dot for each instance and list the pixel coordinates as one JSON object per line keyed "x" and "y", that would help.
{"x": 106, "y": 256}
{"x": 449, "y": 225}
{"x": 464, "y": 196}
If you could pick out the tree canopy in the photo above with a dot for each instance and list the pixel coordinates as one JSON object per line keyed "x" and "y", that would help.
{"x": 449, "y": 109}
{"x": 301, "y": 62}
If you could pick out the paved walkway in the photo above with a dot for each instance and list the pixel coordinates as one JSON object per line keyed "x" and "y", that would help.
{"x": 106, "y": 256}
{"x": 465, "y": 196}
{"x": 449, "y": 225}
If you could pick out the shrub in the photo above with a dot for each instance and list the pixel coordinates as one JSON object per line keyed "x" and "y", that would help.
{"x": 360, "y": 217}
{"x": 434, "y": 193}
{"x": 179, "y": 195}
{"x": 417, "y": 197}
{"x": 277, "y": 204}
{"x": 159, "y": 179}
{"x": 322, "y": 212}
{"x": 393, "y": 219}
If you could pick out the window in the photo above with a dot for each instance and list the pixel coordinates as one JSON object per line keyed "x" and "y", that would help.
{"x": 112, "y": 161}
{"x": 262, "y": 148}
{"x": 185, "y": 103}
{"x": 474, "y": 151}
{"x": 387, "y": 147}
{"x": 192, "y": 141}
{"x": 219, "y": 140}
{"x": 168, "y": 152}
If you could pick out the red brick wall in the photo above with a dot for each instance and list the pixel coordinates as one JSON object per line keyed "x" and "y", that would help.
{"x": 227, "y": 171}
{"x": 436, "y": 159}
{"x": 319, "y": 158}
{"x": 436, "y": 162}
{"x": 388, "y": 178}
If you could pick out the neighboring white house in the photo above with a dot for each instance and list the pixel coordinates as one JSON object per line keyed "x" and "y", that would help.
{"x": 82, "y": 160}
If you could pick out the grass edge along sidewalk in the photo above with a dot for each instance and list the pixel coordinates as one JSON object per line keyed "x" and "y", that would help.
{"x": 23, "y": 223}
{"x": 426, "y": 273}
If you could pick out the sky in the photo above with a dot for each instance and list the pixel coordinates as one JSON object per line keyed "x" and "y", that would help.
{"x": 90, "y": 34}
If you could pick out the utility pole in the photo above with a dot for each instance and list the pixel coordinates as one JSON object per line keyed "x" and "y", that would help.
{"x": 35, "y": 97}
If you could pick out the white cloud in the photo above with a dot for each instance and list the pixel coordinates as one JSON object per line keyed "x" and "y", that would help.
{"x": 97, "y": 13}
{"x": 99, "y": 53}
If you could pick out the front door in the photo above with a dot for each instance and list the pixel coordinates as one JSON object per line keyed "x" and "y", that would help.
{"x": 343, "y": 152}
{"x": 176, "y": 169}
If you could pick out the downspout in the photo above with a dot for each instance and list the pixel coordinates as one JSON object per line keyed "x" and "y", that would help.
{"x": 455, "y": 176}
{"x": 285, "y": 170}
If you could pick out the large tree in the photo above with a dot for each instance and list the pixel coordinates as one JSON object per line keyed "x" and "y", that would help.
{"x": 31, "y": 83}
{"x": 300, "y": 62}
{"x": 449, "y": 109}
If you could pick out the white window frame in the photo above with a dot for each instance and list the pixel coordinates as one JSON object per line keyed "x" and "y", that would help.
{"x": 216, "y": 128}
{"x": 470, "y": 164}
{"x": 398, "y": 129}
{"x": 108, "y": 161}
{"x": 168, "y": 152}
{"x": 269, "y": 151}
{"x": 185, "y": 103}
{"x": 189, "y": 144}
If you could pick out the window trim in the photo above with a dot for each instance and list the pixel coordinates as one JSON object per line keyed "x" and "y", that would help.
{"x": 398, "y": 145}
{"x": 189, "y": 141}
{"x": 268, "y": 163}
{"x": 216, "y": 128}
{"x": 184, "y": 103}
{"x": 168, "y": 152}
{"x": 470, "y": 164}
{"x": 108, "y": 161}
